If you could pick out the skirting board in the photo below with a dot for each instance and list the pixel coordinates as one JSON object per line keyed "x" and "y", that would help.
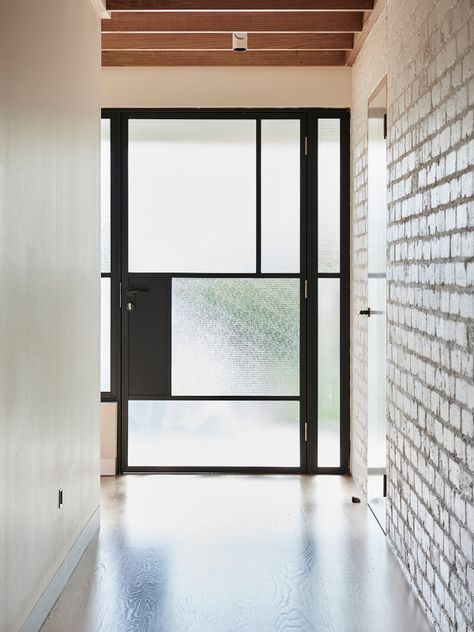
{"x": 55, "y": 587}
{"x": 108, "y": 467}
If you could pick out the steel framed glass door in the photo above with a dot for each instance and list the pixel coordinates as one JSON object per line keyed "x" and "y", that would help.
{"x": 233, "y": 333}
{"x": 213, "y": 292}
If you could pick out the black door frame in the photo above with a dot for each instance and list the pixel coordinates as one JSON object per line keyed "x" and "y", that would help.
{"x": 308, "y": 277}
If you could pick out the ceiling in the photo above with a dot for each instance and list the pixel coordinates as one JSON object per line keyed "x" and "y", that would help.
{"x": 199, "y": 32}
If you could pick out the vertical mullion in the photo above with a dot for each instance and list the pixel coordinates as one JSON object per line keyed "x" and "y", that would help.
{"x": 124, "y": 280}
{"x": 304, "y": 416}
{"x": 258, "y": 240}
{"x": 312, "y": 303}
{"x": 115, "y": 250}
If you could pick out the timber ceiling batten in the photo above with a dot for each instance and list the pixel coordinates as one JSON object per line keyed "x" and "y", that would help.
{"x": 199, "y": 32}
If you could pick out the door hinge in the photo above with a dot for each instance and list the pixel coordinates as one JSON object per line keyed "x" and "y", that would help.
{"x": 306, "y": 432}
{"x": 306, "y": 288}
{"x": 305, "y": 145}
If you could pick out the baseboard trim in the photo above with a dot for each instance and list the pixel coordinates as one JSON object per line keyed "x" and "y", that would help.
{"x": 55, "y": 587}
{"x": 108, "y": 467}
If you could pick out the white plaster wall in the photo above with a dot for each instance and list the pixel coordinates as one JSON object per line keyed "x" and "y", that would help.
{"x": 226, "y": 87}
{"x": 49, "y": 289}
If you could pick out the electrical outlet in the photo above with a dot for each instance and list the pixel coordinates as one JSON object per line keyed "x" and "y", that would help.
{"x": 60, "y": 498}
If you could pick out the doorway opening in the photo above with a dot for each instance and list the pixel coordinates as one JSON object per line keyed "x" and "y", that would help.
{"x": 228, "y": 289}
{"x": 377, "y": 300}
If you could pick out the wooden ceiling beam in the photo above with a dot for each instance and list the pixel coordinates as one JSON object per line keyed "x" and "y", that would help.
{"x": 223, "y": 58}
{"x": 259, "y": 21}
{"x": 239, "y": 5}
{"x": 368, "y": 24}
{"x": 223, "y": 41}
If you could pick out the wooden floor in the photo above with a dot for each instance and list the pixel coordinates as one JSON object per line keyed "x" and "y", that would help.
{"x": 236, "y": 554}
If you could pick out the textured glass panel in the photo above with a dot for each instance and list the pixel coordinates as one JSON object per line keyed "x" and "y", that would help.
{"x": 328, "y": 373}
{"x": 213, "y": 433}
{"x": 105, "y": 335}
{"x": 235, "y": 337}
{"x": 281, "y": 156}
{"x": 105, "y": 196}
{"x": 329, "y": 187}
{"x": 192, "y": 201}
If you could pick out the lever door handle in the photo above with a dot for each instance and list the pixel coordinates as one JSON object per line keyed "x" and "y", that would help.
{"x": 132, "y": 291}
{"x": 370, "y": 312}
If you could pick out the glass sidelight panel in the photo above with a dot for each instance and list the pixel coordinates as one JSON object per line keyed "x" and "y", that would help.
{"x": 105, "y": 196}
{"x": 235, "y": 336}
{"x": 105, "y": 325}
{"x": 213, "y": 433}
{"x": 192, "y": 196}
{"x": 281, "y": 158}
{"x": 329, "y": 386}
{"x": 329, "y": 195}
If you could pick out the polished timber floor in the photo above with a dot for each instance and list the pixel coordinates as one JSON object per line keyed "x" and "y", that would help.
{"x": 233, "y": 554}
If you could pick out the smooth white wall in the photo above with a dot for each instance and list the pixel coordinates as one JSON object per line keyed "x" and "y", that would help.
{"x": 49, "y": 289}
{"x": 226, "y": 87}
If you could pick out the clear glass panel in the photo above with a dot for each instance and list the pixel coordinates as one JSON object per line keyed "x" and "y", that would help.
{"x": 105, "y": 196}
{"x": 192, "y": 201}
{"x": 281, "y": 156}
{"x": 235, "y": 337}
{"x": 213, "y": 433}
{"x": 328, "y": 373}
{"x": 329, "y": 187}
{"x": 105, "y": 335}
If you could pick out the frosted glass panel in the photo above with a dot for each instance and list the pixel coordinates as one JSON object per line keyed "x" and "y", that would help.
{"x": 328, "y": 373}
{"x": 281, "y": 156}
{"x": 377, "y": 258}
{"x": 105, "y": 196}
{"x": 105, "y": 335}
{"x": 377, "y": 200}
{"x": 376, "y": 366}
{"x": 235, "y": 337}
{"x": 213, "y": 433}
{"x": 329, "y": 187}
{"x": 192, "y": 200}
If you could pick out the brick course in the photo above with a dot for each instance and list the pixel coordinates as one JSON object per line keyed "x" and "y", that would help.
{"x": 426, "y": 50}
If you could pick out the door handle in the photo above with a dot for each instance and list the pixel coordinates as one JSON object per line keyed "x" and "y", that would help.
{"x": 131, "y": 291}
{"x": 370, "y": 312}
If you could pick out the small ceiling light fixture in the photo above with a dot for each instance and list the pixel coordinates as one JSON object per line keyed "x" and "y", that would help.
{"x": 239, "y": 42}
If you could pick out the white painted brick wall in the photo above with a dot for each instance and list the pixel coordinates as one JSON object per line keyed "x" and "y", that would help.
{"x": 426, "y": 50}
